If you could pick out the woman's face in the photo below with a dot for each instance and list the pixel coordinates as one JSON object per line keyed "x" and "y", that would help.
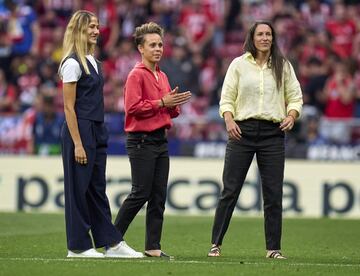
{"x": 263, "y": 38}
{"x": 152, "y": 48}
{"x": 93, "y": 31}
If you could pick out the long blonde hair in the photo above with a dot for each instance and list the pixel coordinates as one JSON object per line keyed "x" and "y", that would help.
{"x": 76, "y": 38}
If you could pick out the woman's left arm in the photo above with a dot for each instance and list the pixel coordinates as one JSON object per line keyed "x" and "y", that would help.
{"x": 293, "y": 98}
{"x": 293, "y": 93}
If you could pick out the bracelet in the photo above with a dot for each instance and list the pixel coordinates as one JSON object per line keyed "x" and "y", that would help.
{"x": 162, "y": 102}
{"x": 289, "y": 115}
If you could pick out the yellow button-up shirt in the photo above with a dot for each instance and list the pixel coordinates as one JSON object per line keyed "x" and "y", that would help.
{"x": 250, "y": 91}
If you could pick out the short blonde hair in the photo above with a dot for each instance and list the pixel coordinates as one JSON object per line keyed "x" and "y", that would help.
{"x": 147, "y": 28}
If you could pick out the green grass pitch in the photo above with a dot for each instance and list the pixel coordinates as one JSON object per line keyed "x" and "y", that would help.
{"x": 34, "y": 244}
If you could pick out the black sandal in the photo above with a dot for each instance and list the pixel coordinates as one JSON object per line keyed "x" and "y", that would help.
{"x": 215, "y": 251}
{"x": 162, "y": 255}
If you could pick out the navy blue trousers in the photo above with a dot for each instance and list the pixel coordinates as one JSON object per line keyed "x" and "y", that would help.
{"x": 86, "y": 204}
{"x": 149, "y": 160}
{"x": 266, "y": 140}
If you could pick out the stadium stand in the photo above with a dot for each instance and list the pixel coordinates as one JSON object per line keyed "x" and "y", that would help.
{"x": 321, "y": 38}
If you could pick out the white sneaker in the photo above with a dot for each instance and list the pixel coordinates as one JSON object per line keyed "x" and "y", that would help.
{"x": 122, "y": 250}
{"x": 91, "y": 253}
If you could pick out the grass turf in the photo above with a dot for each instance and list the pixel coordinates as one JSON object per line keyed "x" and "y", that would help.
{"x": 34, "y": 244}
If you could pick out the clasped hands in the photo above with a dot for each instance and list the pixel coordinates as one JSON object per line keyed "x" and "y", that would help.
{"x": 175, "y": 98}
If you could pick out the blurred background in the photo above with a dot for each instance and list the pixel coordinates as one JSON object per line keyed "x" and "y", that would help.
{"x": 320, "y": 37}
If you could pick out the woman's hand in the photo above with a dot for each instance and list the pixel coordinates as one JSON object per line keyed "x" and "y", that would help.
{"x": 288, "y": 123}
{"x": 232, "y": 127}
{"x": 80, "y": 155}
{"x": 175, "y": 98}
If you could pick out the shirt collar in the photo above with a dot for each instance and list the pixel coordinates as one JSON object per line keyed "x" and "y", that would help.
{"x": 248, "y": 56}
{"x": 142, "y": 65}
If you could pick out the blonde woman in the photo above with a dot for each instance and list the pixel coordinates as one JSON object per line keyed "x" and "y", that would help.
{"x": 84, "y": 141}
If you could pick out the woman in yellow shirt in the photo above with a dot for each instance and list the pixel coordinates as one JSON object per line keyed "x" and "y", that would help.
{"x": 260, "y": 100}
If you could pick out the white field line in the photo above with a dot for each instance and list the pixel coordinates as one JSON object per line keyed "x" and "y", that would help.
{"x": 106, "y": 260}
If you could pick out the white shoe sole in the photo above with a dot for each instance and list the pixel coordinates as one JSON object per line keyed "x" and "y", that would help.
{"x": 84, "y": 255}
{"x": 122, "y": 250}
{"x": 123, "y": 256}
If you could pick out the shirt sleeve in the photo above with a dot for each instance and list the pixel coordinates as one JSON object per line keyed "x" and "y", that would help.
{"x": 70, "y": 71}
{"x": 229, "y": 90}
{"x": 293, "y": 94}
{"x": 174, "y": 111}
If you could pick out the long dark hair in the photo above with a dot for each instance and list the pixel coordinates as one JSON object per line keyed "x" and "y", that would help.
{"x": 277, "y": 58}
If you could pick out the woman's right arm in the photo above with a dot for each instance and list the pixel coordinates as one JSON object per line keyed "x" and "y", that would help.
{"x": 229, "y": 89}
{"x": 232, "y": 128}
{"x": 227, "y": 101}
{"x": 71, "y": 120}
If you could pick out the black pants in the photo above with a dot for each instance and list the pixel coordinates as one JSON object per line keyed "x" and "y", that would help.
{"x": 266, "y": 140}
{"x": 149, "y": 160}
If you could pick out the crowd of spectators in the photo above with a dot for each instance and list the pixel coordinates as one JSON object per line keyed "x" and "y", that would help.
{"x": 320, "y": 37}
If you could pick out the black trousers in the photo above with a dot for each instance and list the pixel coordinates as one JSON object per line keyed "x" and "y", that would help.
{"x": 86, "y": 204}
{"x": 149, "y": 161}
{"x": 266, "y": 140}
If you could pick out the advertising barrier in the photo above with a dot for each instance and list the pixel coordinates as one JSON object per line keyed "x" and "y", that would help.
{"x": 311, "y": 189}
